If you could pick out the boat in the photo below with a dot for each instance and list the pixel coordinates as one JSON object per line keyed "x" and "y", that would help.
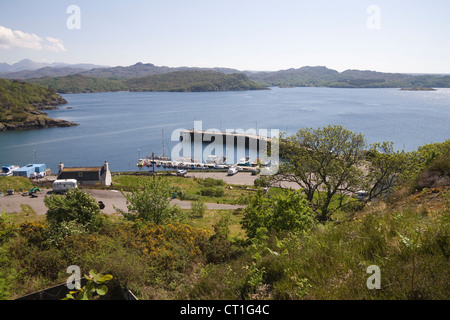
{"x": 244, "y": 162}
{"x": 141, "y": 163}
{"x": 212, "y": 159}
{"x": 8, "y": 170}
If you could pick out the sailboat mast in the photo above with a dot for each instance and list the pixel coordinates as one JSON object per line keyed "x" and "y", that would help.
{"x": 163, "y": 140}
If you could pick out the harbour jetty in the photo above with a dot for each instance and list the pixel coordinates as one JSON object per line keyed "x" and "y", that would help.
{"x": 228, "y": 137}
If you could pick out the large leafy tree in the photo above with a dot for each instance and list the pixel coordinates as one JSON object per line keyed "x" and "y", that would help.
{"x": 324, "y": 162}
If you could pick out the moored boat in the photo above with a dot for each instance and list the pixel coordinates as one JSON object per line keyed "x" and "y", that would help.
{"x": 8, "y": 170}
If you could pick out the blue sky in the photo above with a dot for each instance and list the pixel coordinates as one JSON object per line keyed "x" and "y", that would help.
{"x": 409, "y": 35}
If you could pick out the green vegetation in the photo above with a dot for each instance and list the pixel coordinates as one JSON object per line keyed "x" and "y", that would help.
{"x": 95, "y": 287}
{"x": 151, "y": 203}
{"x": 177, "y": 81}
{"x": 277, "y": 247}
{"x": 324, "y": 77}
{"x": 18, "y": 184}
{"x": 75, "y": 206}
{"x": 207, "y": 190}
{"x": 21, "y": 104}
{"x": 81, "y": 84}
{"x": 193, "y": 81}
{"x": 331, "y": 164}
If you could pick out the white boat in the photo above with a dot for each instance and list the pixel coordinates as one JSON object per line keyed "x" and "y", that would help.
{"x": 244, "y": 162}
{"x": 212, "y": 159}
{"x": 8, "y": 170}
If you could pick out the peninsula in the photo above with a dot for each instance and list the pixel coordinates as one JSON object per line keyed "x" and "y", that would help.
{"x": 22, "y": 105}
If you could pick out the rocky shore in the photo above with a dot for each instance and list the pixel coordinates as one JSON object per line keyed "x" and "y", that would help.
{"x": 41, "y": 122}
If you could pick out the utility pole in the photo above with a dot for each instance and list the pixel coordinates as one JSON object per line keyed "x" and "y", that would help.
{"x": 153, "y": 162}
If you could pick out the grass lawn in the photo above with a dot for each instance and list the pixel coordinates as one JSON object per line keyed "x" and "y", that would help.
{"x": 189, "y": 188}
{"x": 18, "y": 184}
{"x": 211, "y": 217}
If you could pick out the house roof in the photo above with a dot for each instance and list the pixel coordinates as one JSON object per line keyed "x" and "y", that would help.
{"x": 82, "y": 169}
{"x": 82, "y": 174}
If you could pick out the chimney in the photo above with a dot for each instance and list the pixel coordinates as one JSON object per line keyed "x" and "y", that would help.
{"x": 106, "y": 166}
{"x": 60, "y": 167}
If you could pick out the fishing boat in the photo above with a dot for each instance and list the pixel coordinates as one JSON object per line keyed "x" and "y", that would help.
{"x": 8, "y": 170}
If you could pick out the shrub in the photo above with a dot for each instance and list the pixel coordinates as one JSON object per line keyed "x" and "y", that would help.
{"x": 152, "y": 203}
{"x": 436, "y": 174}
{"x": 213, "y": 191}
{"x": 198, "y": 209}
{"x": 219, "y": 248}
{"x": 34, "y": 232}
{"x": 211, "y": 182}
{"x": 76, "y": 206}
{"x": 285, "y": 212}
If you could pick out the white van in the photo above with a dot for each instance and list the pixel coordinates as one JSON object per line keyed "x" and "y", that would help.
{"x": 363, "y": 195}
{"x": 61, "y": 186}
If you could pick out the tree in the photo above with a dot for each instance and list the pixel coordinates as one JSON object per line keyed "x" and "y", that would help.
{"x": 385, "y": 168}
{"x": 151, "y": 203}
{"x": 324, "y": 162}
{"x": 75, "y": 206}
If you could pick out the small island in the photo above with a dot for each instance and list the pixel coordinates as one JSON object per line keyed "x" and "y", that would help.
{"x": 418, "y": 89}
{"x": 22, "y": 105}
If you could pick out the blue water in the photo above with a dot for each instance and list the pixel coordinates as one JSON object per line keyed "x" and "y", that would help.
{"x": 122, "y": 127}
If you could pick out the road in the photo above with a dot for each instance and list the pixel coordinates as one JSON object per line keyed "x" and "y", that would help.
{"x": 111, "y": 198}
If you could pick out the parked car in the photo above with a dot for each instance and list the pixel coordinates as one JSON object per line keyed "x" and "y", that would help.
{"x": 181, "y": 172}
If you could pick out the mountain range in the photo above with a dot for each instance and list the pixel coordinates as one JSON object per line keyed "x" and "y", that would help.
{"x": 29, "y": 65}
{"x": 113, "y": 78}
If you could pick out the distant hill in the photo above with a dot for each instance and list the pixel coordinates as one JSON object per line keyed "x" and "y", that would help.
{"x": 30, "y": 65}
{"x": 146, "y": 69}
{"x": 193, "y": 81}
{"x": 78, "y": 83}
{"x": 28, "y": 69}
{"x": 42, "y": 73}
{"x": 187, "y": 81}
{"x": 21, "y": 106}
{"x": 116, "y": 78}
{"x": 324, "y": 77}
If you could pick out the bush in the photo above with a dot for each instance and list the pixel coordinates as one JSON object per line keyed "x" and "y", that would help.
{"x": 213, "y": 191}
{"x": 219, "y": 248}
{"x": 436, "y": 174}
{"x": 76, "y": 206}
{"x": 198, "y": 209}
{"x": 151, "y": 203}
{"x": 285, "y": 212}
{"x": 211, "y": 182}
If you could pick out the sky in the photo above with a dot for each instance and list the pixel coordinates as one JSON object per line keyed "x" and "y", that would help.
{"x": 405, "y": 36}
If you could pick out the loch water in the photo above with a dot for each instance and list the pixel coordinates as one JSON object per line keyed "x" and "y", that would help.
{"x": 122, "y": 127}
